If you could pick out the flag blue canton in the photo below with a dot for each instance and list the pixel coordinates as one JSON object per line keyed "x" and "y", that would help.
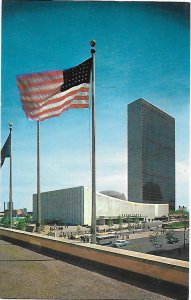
{"x": 77, "y": 75}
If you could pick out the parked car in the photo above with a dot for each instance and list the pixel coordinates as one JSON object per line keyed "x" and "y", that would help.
{"x": 153, "y": 228}
{"x": 120, "y": 243}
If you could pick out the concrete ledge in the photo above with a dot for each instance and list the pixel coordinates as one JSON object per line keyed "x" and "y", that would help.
{"x": 162, "y": 268}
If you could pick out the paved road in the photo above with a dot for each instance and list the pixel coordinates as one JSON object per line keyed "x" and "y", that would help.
{"x": 28, "y": 274}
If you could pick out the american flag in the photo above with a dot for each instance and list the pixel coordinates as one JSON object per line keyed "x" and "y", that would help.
{"x": 48, "y": 94}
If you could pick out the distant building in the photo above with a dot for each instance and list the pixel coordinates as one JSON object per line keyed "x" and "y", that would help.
{"x": 24, "y": 210}
{"x": 182, "y": 208}
{"x": 30, "y": 213}
{"x": 151, "y": 154}
{"x": 16, "y": 212}
{"x": 74, "y": 206}
{"x": 7, "y": 213}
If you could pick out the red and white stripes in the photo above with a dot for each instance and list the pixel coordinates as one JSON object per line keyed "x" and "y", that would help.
{"x": 42, "y": 98}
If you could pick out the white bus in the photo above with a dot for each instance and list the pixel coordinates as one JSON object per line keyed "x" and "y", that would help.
{"x": 106, "y": 239}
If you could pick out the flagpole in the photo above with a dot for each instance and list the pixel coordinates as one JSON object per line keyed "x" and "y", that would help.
{"x": 93, "y": 222}
{"x": 38, "y": 224}
{"x": 10, "y": 179}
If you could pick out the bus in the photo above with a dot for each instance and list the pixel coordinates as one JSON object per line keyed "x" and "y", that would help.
{"x": 106, "y": 239}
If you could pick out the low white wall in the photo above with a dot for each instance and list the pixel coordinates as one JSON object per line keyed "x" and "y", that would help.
{"x": 166, "y": 269}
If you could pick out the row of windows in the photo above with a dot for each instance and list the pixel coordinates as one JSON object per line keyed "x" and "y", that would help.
{"x": 159, "y": 169}
{"x": 156, "y": 125}
{"x": 151, "y": 144}
{"x": 64, "y": 204}
{"x": 156, "y": 113}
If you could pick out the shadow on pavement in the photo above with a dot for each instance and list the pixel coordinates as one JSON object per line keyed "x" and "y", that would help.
{"x": 178, "y": 253}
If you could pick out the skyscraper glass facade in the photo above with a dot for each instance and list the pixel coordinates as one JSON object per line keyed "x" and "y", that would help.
{"x": 151, "y": 154}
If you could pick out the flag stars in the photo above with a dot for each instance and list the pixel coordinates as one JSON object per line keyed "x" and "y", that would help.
{"x": 77, "y": 75}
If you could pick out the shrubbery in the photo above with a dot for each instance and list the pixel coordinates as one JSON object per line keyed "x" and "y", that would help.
{"x": 18, "y": 223}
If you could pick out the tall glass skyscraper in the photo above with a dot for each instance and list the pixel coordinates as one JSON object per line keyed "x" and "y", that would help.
{"x": 151, "y": 154}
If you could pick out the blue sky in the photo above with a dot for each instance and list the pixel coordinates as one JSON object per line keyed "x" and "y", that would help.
{"x": 142, "y": 50}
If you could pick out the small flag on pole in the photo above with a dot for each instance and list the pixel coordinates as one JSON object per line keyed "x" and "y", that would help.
{"x": 48, "y": 94}
{"x": 6, "y": 150}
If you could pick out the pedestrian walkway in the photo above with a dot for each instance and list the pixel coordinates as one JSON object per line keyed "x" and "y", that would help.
{"x": 139, "y": 235}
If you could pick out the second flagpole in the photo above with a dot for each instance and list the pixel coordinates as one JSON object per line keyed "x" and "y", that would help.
{"x": 10, "y": 180}
{"x": 93, "y": 222}
{"x": 38, "y": 224}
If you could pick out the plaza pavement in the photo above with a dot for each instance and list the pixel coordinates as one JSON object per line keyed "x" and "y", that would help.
{"x": 27, "y": 274}
{"x": 138, "y": 241}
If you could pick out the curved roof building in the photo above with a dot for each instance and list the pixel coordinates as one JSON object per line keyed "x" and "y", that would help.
{"x": 74, "y": 206}
{"x": 114, "y": 194}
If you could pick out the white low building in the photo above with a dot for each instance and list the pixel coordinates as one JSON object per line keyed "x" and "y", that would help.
{"x": 74, "y": 206}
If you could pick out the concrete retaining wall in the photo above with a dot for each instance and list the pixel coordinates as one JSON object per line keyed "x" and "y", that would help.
{"x": 166, "y": 269}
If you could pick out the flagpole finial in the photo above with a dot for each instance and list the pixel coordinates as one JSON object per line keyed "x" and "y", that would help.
{"x": 10, "y": 126}
{"x": 92, "y": 43}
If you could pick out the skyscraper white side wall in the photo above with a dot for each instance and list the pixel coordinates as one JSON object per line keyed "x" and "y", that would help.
{"x": 134, "y": 166}
{"x": 64, "y": 205}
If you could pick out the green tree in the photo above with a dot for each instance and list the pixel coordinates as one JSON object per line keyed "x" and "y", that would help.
{"x": 110, "y": 222}
{"x": 5, "y": 221}
{"x": 153, "y": 238}
{"x": 28, "y": 219}
{"x": 78, "y": 229}
{"x": 120, "y": 227}
{"x": 136, "y": 221}
{"x": 21, "y": 224}
{"x": 129, "y": 222}
{"x": 120, "y": 222}
{"x": 144, "y": 225}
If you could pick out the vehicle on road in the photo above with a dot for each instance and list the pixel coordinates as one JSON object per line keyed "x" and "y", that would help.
{"x": 106, "y": 239}
{"x": 153, "y": 228}
{"x": 120, "y": 243}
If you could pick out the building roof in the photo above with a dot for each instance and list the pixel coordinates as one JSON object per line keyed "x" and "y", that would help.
{"x": 114, "y": 194}
{"x": 153, "y": 107}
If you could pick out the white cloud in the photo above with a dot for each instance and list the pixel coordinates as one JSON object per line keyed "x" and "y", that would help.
{"x": 182, "y": 183}
{"x": 112, "y": 172}
{"x": 116, "y": 181}
{"x": 182, "y": 172}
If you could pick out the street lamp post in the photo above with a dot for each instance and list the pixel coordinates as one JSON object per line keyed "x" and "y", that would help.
{"x": 184, "y": 235}
{"x": 183, "y": 219}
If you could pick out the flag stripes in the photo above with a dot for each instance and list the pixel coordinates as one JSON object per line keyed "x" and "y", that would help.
{"x": 49, "y": 94}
